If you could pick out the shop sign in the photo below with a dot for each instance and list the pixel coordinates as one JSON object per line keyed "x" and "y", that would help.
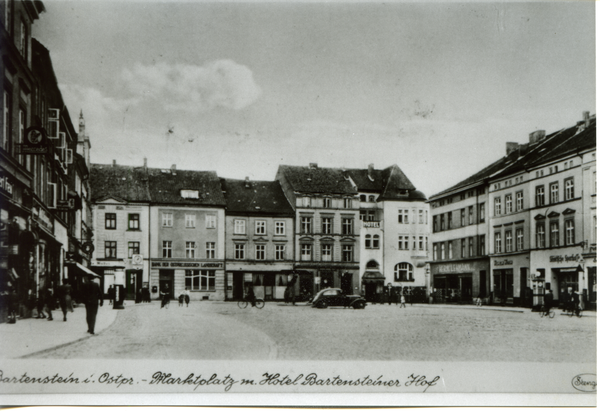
{"x": 453, "y": 268}
{"x": 503, "y": 262}
{"x": 566, "y": 258}
{"x": 371, "y": 224}
{"x": 43, "y": 218}
{"x": 107, "y": 263}
{"x": 35, "y": 142}
{"x": 6, "y": 186}
{"x": 65, "y": 205}
{"x": 180, "y": 264}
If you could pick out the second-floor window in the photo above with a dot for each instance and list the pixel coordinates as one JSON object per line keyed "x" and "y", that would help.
{"x": 498, "y": 243}
{"x": 326, "y": 223}
{"x": 519, "y": 201}
{"x": 347, "y": 226}
{"x": 167, "y": 219}
{"x": 569, "y": 232}
{"x": 110, "y": 221}
{"x": 347, "y": 203}
{"x": 376, "y": 241}
{"x": 6, "y": 134}
{"x": 134, "y": 221}
{"x": 540, "y": 235}
{"x": 133, "y": 248}
{"x": 167, "y": 249}
{"x": 239, "y": 226}
{"x": 463, "y": 248}
{"x": 554, "y": 234}
{"x": 306, "y": 252}
{"x": 306, "y": 225}
{"x": 569, "y": 189}
{"x": 260, "y": 252}
{"x": 471, "y": 251}
{"x": 508, "y": 203}
{"x": 279, "y": 227}
{"x": 508, "y": 241}
{"x": 450, "y": 250}
{"x": 190, "y": 249}
{"x": 280, "y": 252}
{"x": 519, "y": 233}
{"x": 110, "y": 249}
{"x": 553, "y": 193}
{"x": 403, "y": 216}
{"x": 471, "y": 214}
{"x": 326, "y": 252}
{"x": 347, "y": 255}
{"x": 421, "y": 215}
{"x": 482, "y": 212}
{"x": 482, "y": 250}
{"x": 403, "y": 242}
{"x": 24, "y": 39}
{"x": 190, "y": 221}
{"x": 463, "y": 217}
{"x": 260, "y": 227}
{"x": 497, "y": 206}
{"x": 540, "y": 197}
{"x": 210, "y": 250}
{"x": 240, "y": 251}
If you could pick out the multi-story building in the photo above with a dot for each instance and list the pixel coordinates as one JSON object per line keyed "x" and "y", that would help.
{"x": 327, "y": 225}
{"x": 259, "y": 238}
{"x": 394, "y": 237}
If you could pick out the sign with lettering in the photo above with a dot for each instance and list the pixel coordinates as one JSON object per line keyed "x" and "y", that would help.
{"x": 35, "y": 142}
{"x": 371, "y": 224}
{"x": 184, "y": 264}
{"x": 506, "y": 261}
{"x": 453, "y": 268}
{"x": 65, "y": 205}
{"x": 566, "y": 258}
{"x": 6, "y": 186}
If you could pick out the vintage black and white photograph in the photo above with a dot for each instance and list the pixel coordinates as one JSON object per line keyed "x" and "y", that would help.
{"x": 335, "y": 198}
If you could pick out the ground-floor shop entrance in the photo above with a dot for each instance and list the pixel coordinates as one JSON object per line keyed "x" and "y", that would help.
{"x": 166, "y": 282}
{"x": 453, "y": 288}
{"x": 503, "y": 286}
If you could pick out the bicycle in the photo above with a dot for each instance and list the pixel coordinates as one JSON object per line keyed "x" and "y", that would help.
{"x": 550, "y": 314}
{"x": 258, "y": 303}
{"x": 574, "y": 311}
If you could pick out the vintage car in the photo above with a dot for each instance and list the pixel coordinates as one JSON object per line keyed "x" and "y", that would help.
{"x": 335, "y": 297}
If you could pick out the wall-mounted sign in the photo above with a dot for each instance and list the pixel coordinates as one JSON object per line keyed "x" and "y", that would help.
{"x": 503, "y": 262}
{"x": 182, "y": 264}
{"x": 452, "y": 268}
{"x": 567, "y": 258}
{"x": 65, "y": 205}
{"x": 371, "y": 224}
{"x": 35, "y": 142}
{"x": 6, "y": 186}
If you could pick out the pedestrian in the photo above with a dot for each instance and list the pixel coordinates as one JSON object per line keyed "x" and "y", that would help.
{"x": 402, "y": 300}
{"x": 65, "y": 300}
{"x": 573, "y": 301}
{"x": 11, "y": 298}
{"x": 49, "y": 300}
{"x": 93, "y": 296}
{"x": 165, "y": 297}
{"x": 409, "y": 296}
{"x": 479, "y": 300}
{"x": 40, "y": 303}
{"x": 180, "y": 299}
{"x": 390, "y": 292}
{"x": 548, "y": 298}
{"x": 186, "y": 297}
{"x": 138, "y": 296}
{"x": 111, "y": 294}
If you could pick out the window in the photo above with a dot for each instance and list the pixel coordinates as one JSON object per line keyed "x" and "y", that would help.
{"x": 554, "y": 234}
{"x": 347, "y": 226}
{"x": 498, "y": 243}
{"x": 22, "y": 117}
{"x": 421, "y": 220}
{"x": 189, "y": 194}
{"x": 190, "y": 249}
{"x": 367, "y": 215}
{"x": 326, "y": 252}
{"x": 463, "y": 217}
{"x": 508, "y": 241}
{"x": 569, "y": 232}
{"x": 442, "y": 222}
{"x": 403, "y": 242}
{"x": 347, "y": 203}
{"x": 280, "y": 252}
{"x": 260, "y": 227}
{"x": 167, "y": 219}
{"x": 211, "y": 221}
{"x": 279, "y": 227}
{"x": 519, "y": 201}
{"x": 482, "y": 212}
{"x": 450, "y": 250}
{"x": 306, "y": 225}
{"x": 376, "y": 241}
{"x": 442, "y": 251}
{"x": 497, "y": 206}
{"x": 110, "y": 221}
{"x": 403, "y": 272}
{"x": 8, "y": 15}
{"x": 306, "y": 252}
{"x": 363, "y": 197}
{"x": 110, "y": 249}
{"x": 326, "y": 224}
{"x": 134, "y": 221}
{"x": 539, "y": 196}
{"x": 449, "y": 220}
{"x": 6, "y": 134}
{"x": 347, "y": 253}
{"x": 569, "y": 189}
{"x": 240, "y": 251}
{"x": 414, "y": 242}
{"x": 190, "y": 221}
{"x": 435, "y": 250}
{"x": 210, "y": 250}
{"x": 305, "y": 201}
{"x": 403, "y": 216}
{"x": 471, "y": 248}
{"x": 372, "y": 199}
{"x": 420, "y": 242}
{"x": 200, "y": 280}
{"x": 508, "y": 203}
{"x": 553, "y": 193}
{"x": 463, "y": 247}
{"x": 482, "y": 250}
{"x": 327, "y": 202}
{"x": 471, "y": 215}
{"x": 239, "y": 226}
{"x": 24, "y": 38}
{"x": 133, "y": 247}
{"x": 260, "y": 252}
{"x": 540, "y": 235}
{"x": 520, "y": 239}
{"x": 435, "y": 224}
{"x": 368, "y": 241}
{"x": 167, "y": 249}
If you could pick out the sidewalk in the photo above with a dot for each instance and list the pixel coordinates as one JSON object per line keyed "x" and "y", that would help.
{"x": 31, "y": 335}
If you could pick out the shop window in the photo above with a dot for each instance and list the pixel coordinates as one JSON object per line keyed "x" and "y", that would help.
{"x": 200, "y": 280}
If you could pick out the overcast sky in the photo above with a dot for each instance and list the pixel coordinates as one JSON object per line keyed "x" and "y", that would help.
{"x": 239, "y": 88}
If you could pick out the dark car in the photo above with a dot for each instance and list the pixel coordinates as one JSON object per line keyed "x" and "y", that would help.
{"x": 336, "y": 298}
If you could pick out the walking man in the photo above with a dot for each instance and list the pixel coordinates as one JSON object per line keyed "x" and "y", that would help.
{"x": 548, "y": 298}
{"x": 93, "y": 296}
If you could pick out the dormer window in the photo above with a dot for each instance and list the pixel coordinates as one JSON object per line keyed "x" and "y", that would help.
{"x": 190, "y": 194}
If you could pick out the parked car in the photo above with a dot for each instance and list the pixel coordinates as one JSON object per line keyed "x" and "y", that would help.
{"x": 335, "y": 297}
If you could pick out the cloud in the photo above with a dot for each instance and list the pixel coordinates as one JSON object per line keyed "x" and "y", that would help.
{"x": 221, "y": 83}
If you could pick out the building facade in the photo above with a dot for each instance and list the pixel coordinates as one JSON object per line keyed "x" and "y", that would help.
{"x": 259, "y": 239}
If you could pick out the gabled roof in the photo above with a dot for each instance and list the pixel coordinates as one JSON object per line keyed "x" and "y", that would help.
{"x": 391, "y": 183}
{"x": 554, "y": 146}
{"x": 317, "y": 180}
{"x": 139, "y": 184}
{"x": 255, "y": 197}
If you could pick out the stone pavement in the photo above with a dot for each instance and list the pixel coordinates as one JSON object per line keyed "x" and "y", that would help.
{"x": 32, "y": 335}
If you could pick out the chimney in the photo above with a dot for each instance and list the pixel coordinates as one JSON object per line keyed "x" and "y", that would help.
{"x": 536, "y": 136}
{"x": 247, "y": 183}
{"x": 313, "y": 166}
{"x": 586, "y": 118}
{"x": 114, "y": 163}
{"x": 511, "y": 146}
{"x": 174, "y": 169}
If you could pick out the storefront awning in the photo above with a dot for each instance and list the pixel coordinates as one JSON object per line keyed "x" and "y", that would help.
{"x": 84, "y": 269}
{"x": 570, "y": 270}
{"x": 373, "y": 276}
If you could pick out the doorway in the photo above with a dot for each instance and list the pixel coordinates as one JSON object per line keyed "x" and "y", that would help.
{"x": 346, "y": 285}
{"x": 238, "y": 286}
{"x": 326, "y": 279}
{"x": 133, "y": 281}
{"x": 166, "y": 282}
